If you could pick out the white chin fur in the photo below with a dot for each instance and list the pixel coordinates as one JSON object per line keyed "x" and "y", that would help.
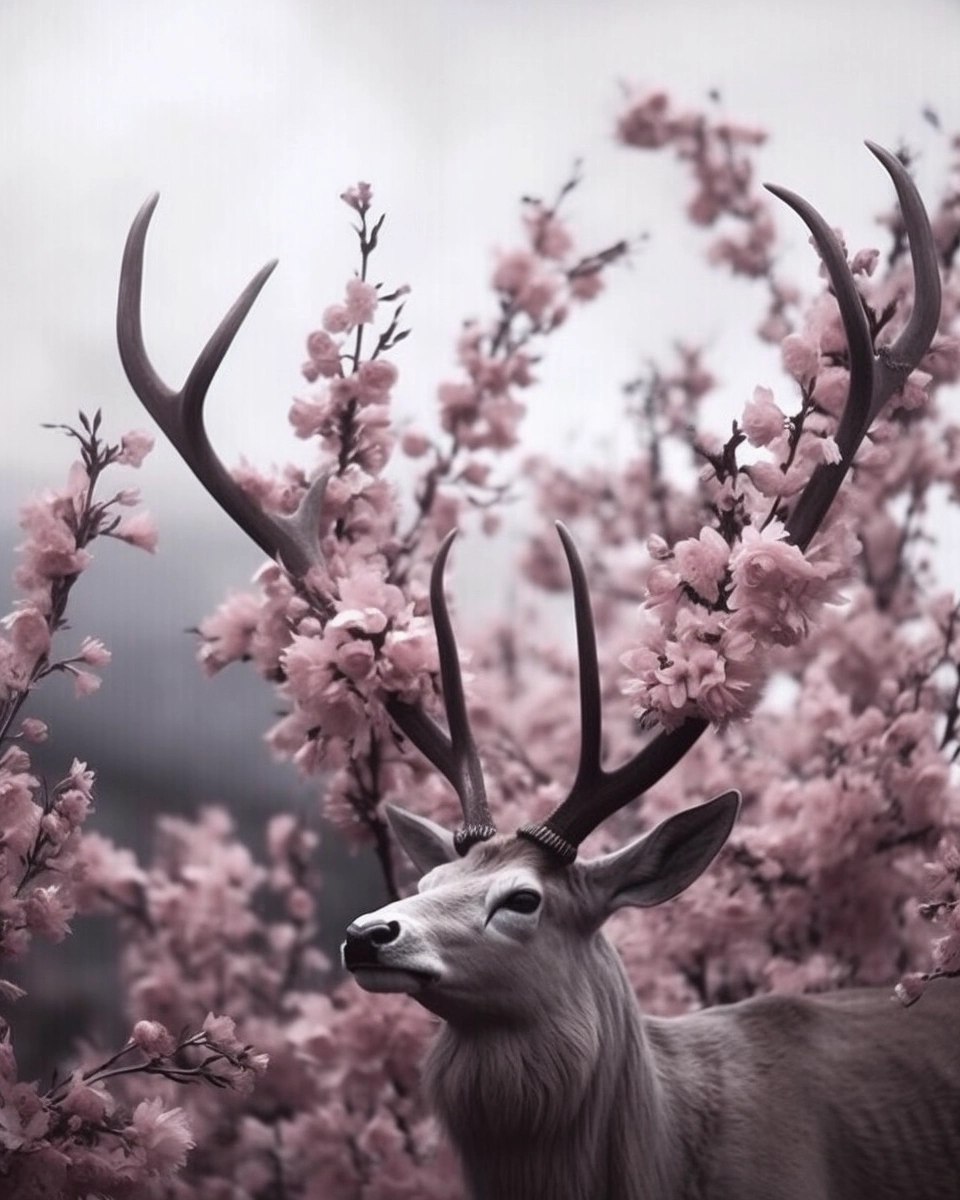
{"x": 382, "y": 979}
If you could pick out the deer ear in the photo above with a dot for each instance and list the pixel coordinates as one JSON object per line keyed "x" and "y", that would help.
{"x": 665, "y": 861}
{"x": 427, "y": 844}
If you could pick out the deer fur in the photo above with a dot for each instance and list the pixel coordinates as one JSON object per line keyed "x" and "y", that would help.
{"x": 552, "y": 1084}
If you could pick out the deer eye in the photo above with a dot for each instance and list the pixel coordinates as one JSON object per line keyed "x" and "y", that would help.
{"x": 524, "y": 900}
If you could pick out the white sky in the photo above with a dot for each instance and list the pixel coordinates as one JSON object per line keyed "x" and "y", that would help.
{"x": 251, "y": 118}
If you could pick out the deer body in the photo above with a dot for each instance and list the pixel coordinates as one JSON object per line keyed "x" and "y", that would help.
{"x": 551, "y": 1083}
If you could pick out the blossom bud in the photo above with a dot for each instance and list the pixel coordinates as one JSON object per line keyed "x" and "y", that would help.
{"x": 134, "y": 447}
{"x": 414, "y": 444}
{"x": 153, "y": 1039}
{"x": 800, "y": 358}
{"x": 762, "y": 419}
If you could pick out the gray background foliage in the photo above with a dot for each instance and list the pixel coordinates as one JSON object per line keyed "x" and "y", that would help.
{"x": 251, "y": 118}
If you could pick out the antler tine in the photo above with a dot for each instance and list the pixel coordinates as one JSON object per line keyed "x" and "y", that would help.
{"x": 597, "y": 794}
{"x": 455, "y": 757}
{"x": 589, "y": 771}
{"x": 467, "y": 773}
{"x": 894, "y": 363}
{"x": 294, "y": 540}
{"x": 873, "y": 378}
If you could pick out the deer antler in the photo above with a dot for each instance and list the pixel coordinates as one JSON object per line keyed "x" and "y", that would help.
{"x": 292, "y": 540}
{"x": 597, "y": 794}
{"x": 459, "y": 761}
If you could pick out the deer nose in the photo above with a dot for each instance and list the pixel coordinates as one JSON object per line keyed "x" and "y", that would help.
{"x": 363, "y": 941}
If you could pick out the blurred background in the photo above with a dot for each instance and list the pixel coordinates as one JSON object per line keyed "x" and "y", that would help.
{"x": 250, "y": 118}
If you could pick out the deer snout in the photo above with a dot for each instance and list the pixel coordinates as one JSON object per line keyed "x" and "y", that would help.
{"x": 364, "y": 939}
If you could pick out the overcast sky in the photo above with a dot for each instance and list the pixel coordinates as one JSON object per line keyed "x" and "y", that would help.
{"x": 252, "y": 117}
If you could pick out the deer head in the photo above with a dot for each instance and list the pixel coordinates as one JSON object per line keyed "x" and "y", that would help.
{"x": 492, "y": 936}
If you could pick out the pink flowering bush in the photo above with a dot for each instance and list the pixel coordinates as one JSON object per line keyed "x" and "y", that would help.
{"x": 81, "y": 1135}
{"x": 830, "y": 674}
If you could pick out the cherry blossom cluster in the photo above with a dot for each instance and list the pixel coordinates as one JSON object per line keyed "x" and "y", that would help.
{"x": 818, "y": 887}
{"x": 78, "y": 1136}
{"x": 717, "y": 601}
{"x": 335, "y": 1109}
{"x": 862, "y": 747}
{"x": 535, "y": 285}
{"x": 77, "y": 1139}
{"x": 941, "y": 906}
{"x": 719, "y": 153}
{"x": 40, "y": 823}
{"x": 358, "y": 630}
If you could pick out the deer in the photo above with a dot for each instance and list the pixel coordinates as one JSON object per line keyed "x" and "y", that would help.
{"x": 546, "y": 1075}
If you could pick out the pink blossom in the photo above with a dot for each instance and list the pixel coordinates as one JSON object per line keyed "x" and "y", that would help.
{"x": 910, "y": 988}
{"x": 336, "y": 319}
{"x": 324, "y": 353}
{"x": 139, "y": 531}
{"x": 662, "y": 584}
{"x": 33, "y": 730}
{"x": 827, "y": 449}
{"x": 513, "y": 271}
{"x": 776, "y": 591}
{"x": 134, "y": 447}
{"x": 50, "y": 551}
{"x": 701, "y": 562}
{"x": 537, "y": 296}
{"x": 646, "y": 122}
{"x": 800, "y": 357}
{"x": 762, "y": 420}
{"x": 87, "y": 1103}
{"x": 29, "y": 631}
{"x": 770, "y": 480}
{"x": 228, "y": 633}
{"x": 549, "y": 235}
{"x": 73, "y": 806}
{"x": 308, "y": 665}
{"x": 586, "y": 285}
{"x": 864, "y": 262}
{"x": 366, "y": 588}
{"x": 414, "y": 443}
{"x": 689, "y": 672}
{"x": 358, "y": 196}
{"x": 914, "y": 393}
{"x": 361, "y": 302}
{"x": 94, "y": 652}
{"x": 47, "y": 912}
{"x": 80, "y": 777}
{"x": 309, "y": 416}
{"x": 84, "y": 682}
{"x": 832, "y": 388}
{"x": 300, "y": 904}
{"x": 376, "y": 378}
{"x": 410, "y": 654}
{"x": 153, "y": 1039}
{"x": 163, "y": 1136}
{"x": 107, "y": 871}
{"x": 355, "y": 659}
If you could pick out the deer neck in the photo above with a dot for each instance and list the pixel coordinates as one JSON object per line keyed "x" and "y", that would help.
{"x": 572, "y": 1107}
